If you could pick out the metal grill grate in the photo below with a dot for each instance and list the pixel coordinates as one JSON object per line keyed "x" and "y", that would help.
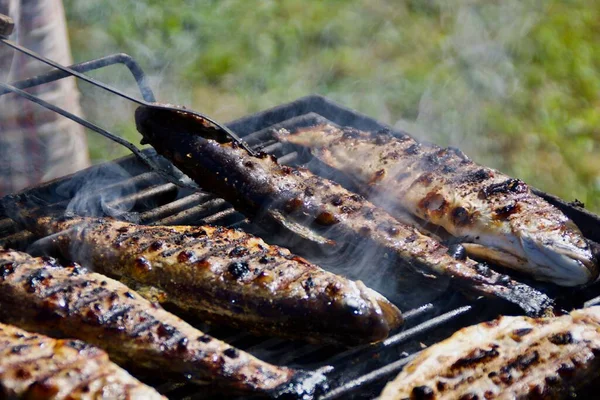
{"x": 356, "y": 373}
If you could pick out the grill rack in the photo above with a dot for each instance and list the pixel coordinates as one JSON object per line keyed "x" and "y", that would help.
{"x": 146, "y": 196}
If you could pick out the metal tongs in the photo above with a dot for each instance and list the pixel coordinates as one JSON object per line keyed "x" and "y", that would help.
{"x": 77, "y": 70}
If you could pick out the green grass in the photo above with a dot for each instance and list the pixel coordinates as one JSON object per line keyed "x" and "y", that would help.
{"x": 515, "y": 84}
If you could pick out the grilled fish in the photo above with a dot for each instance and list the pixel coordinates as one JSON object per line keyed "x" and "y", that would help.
{"x": 229, "y": 276}
{"x": 497, "y": 218}
{"x": 33, "y": 366}
{"x": 37, "y": 294}
{"x": 508, "y": 358}
{"x": 265, "y": 190}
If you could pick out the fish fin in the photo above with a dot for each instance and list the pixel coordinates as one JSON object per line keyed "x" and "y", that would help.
{"x": 300, "y": 230}
{"x": 307, "y": 143}
{"x": 150, "y": 293}
{"x": 309, "y": 138}
{"x": 282, "y": 135}
{"x": 496, "y": 256}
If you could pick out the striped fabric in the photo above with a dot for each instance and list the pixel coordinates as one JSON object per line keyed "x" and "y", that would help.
{"x": 37, "y": 145}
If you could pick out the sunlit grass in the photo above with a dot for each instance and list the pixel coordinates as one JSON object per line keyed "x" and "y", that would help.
{"x": 515, "y": 84}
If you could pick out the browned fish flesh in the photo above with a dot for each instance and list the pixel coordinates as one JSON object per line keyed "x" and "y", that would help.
{"x": 508, "y": 358}
{"x": 33, "y": 366}
{"x": 229, "y": 276}
{"x": 497, "y": 218}
{"x": 294, "y": 197}
{"x": 37, "y": 294}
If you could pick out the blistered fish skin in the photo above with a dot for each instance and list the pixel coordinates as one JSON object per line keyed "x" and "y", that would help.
{"x": 33, "y": 366}
{"x": 229, "y": 276}
{"x": 508, "y": 358}
{"x": 497, "y": 217}
{"x": 38, "y": 294}
{"x": 263, "y": 189}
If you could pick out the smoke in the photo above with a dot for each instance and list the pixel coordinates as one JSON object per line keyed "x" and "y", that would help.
{"x": 360, "y": 258}
{"x": 384, "y": 272}
{"x": 476, "y": 71}
{"x": 99, "y": 192}
{"x": 219, "y": 59}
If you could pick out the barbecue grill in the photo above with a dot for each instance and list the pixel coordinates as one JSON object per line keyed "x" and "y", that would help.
{"x": 358, "y": 373}
{"x": 147, "y": 189}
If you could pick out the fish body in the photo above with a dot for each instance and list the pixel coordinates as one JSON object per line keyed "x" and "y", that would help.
{"x": 264, "y": 189}
{"x": 229, "y": 276}
{"x": 497, "y": 218}
{"x": 508, "y": 358}
{"x": 33, "y": 366}
{"x": 37, "y": 294}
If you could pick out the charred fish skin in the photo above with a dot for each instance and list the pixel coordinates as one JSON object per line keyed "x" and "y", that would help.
{"x": 508, "y": 358}
{"x": 230, "y": 276}
{"x": 257, "y": 183}
{"x": 38, "y": 294}
{"x": 33, "y": 366}
{"x": 499, "y": 217}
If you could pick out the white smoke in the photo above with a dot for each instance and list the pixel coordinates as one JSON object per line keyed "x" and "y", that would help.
{"x": 477, "y": 70}
{"x": 99, "y": 191}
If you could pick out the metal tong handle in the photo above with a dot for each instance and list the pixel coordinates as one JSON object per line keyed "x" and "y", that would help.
{"x": 117, "y": 92}
{"x": 137, "y": 152}
{"x": 6, "y": 28}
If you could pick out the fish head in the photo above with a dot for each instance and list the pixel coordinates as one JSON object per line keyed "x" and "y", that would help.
{"x": 559, "y": 250}
{"x": 548, "y": 246}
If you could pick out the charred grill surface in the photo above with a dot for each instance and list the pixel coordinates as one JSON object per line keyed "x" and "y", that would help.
{"x": 229, "y": 276}
{"x": 33, "y": 366}
{"x": 294, "y": 197}
{"x": 37, "y": 294}
{"x": 497, "y": 218}
{"x": 508, "y": 358}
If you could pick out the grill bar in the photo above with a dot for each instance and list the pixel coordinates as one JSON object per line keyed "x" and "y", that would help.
{"x": 381, "y": 373}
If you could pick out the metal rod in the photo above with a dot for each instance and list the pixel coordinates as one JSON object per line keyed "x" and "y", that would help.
{"x": 71, "y": 71}
{"x": 120, "y": 58}
{"x": 366, "y": 379}
{"x": 101, "y": 131}
{"x": 117, "y": 92}
{"x": 343, "y": 358}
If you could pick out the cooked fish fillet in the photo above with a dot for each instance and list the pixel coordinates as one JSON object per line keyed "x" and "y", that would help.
{"x": 294, "y": 197}
{"x": 508, "y": 358}
{"x": 39, "y": 295}
{"x": 229, "y": 276}
{"x": 497, "y": 217}
{"x": 33, "y": 366}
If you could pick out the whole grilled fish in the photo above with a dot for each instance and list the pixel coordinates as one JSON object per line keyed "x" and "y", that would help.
{"x": 39, "y": 295}
{"x": 496, "y": 217}
{"x": 268, "y": 191}
{"x": 229, "y": 276}
{"x": 508, "y": 358}
{"x": 33, "y": 366}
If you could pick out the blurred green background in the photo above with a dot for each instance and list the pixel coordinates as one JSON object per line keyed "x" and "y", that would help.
{"x": 515, "y": 84}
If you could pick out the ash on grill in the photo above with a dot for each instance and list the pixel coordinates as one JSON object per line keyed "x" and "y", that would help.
{"x": 145, "y": 196}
